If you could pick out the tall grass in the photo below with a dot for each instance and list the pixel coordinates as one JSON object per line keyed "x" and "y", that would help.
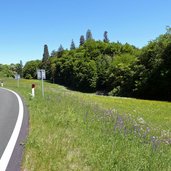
{"x": 75, "y": 131}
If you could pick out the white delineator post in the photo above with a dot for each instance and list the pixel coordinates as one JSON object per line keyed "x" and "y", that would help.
{"x": 2, "y": 84}
{"x": 33, "y": 92}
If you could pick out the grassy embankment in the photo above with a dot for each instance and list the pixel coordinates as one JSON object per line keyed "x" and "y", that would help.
{"x": 76, "y": 131}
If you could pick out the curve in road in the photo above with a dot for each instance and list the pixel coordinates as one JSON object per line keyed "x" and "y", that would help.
{"x": 11, "y": 120}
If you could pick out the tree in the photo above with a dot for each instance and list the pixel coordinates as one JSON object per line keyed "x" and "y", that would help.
{"x": 7, "y": 71}
{"x": 19, "y": 68}
{"x": 103, "y": 63}
{"x": 89, "y": 35}
{"x": 106, "y": 40}
{"x": 60, "y": 51}
{"x": 82, "y": 40}
{"x": 85, "y": 75}
{"x": 45, "y": 54}
{"x": 53, "y": 71}
{"x": 29, "y": 70}
{"x": 72, "y": 47}
{"x": 155, "y": 58}
{"x": 168, "y": 30}
{"x": 53, "y": 53}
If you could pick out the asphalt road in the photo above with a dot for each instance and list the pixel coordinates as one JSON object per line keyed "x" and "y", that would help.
{"x": 9, "y": 114}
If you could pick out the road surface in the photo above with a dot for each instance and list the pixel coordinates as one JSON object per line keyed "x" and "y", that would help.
{"x": 13, "y": 130}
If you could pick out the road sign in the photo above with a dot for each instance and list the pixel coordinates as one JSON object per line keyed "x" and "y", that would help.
{"x": 17, "y": 76}
{"x": 41, "y": 74}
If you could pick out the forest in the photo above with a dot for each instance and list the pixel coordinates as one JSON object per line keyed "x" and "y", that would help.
{"x": 106, "y": 68}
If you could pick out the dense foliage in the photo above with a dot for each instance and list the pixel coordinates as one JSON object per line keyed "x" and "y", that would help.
{"x": 91, "y": 66}
{"x": 115, "y": 68}
{"x": 155, "y": 60}
{"x": 11, "y": 70}
{"x": 110, "y": 68}
{"x": 29, "y": 70}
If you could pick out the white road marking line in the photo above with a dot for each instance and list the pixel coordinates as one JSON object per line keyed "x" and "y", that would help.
{"x": 13, "y": 139}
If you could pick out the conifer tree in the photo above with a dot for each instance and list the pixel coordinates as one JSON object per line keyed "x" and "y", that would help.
{"x": 89, "y": 35}
{"x": 60, "y": 51}
{"x": 106, "y": 40}
{"x": 82, "y": 40}
{"x": 72, "y": 47}
{"x": 45, "y": 54}
{"x": 53, "y": 53}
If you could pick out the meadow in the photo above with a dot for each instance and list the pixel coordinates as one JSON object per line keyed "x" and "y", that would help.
{"x": 76, "y": 131}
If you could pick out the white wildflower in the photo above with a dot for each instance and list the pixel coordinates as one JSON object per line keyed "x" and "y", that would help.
{"x": 141, "y": 120}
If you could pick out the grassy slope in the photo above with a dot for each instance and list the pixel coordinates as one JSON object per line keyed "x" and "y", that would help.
{"x": 155, "y": 112}
{"x": 75, "y": 131}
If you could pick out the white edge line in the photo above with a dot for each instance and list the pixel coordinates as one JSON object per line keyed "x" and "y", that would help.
{"x": 13, "y": 139}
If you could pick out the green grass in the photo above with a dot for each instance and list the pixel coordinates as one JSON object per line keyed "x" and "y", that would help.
{"x": 75, "y": 131}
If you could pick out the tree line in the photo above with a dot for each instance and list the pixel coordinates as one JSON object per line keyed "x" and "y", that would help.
{"x": 110, "y": 68}
{"x": 11, "y": 70}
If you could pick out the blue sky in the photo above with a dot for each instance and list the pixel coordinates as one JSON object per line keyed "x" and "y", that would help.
{"x": 26, "y": 25}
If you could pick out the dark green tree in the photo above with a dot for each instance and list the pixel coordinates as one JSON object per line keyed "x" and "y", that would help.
{"x": 106, "y": 40}
{"x": 72, "y": 47}
{"x": 155, "y": 58}
{"x": 53, "y": 72}
{"x": 82, "y": 40}
{"x": 45, "y": 54}
{"x": 89, "y": 35}
{"x": 46, "y": 62}
{"x": 53, "y": 53}
{"x": 60, "y": 51}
